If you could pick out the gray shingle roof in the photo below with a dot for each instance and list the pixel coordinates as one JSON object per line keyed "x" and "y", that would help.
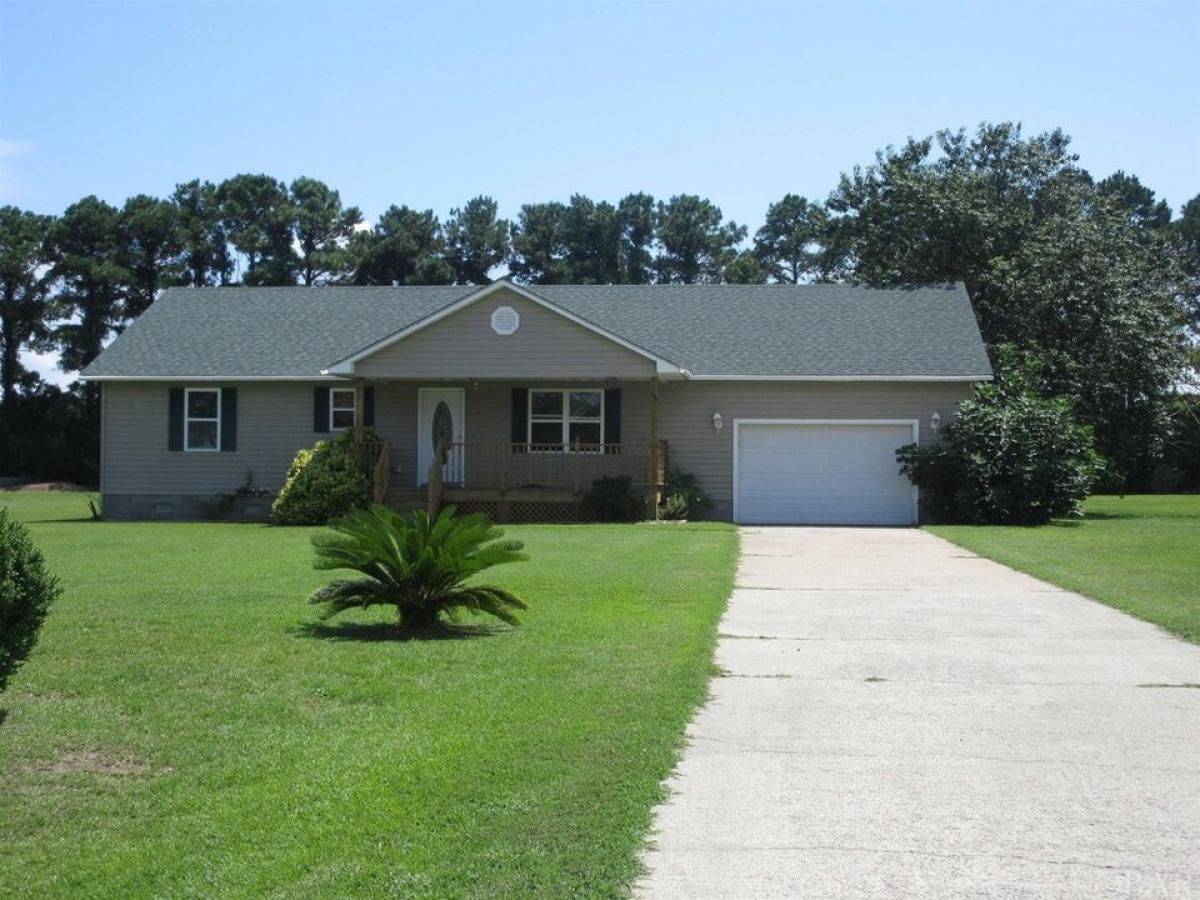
{"x": 710, "y": 330}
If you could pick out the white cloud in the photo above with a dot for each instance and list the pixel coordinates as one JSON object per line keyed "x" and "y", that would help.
{"x": 46, "y": 365}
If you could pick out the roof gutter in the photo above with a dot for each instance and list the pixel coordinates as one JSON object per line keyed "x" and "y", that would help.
{"x": 198, "y": 378}
{"x": 947, "y": 378}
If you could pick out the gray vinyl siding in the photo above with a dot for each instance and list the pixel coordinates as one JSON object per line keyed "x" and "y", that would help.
{"x": 686, "y": 410}
{"x": 275, "y": 419}
{"x": 463, "y": 345}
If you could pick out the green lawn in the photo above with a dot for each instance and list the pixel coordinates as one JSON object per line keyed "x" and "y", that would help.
{"x": 1140, "y": 554}
{"x": 181, "y": 730}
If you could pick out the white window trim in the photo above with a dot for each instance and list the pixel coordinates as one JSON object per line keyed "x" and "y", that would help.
{"x": 353, "y": 408}
{"x": 187, "y": 393}
{"x": 566, "y": 417}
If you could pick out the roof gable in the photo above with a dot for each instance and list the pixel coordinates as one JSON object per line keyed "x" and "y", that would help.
{"x": 463, "y": 344}
{"x": 347, "y": 365}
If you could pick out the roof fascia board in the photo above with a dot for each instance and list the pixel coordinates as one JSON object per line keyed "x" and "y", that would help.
{"x": 987, "y": 377}
{"x": 346, "y": 366}
{"x": 198, "y": 378}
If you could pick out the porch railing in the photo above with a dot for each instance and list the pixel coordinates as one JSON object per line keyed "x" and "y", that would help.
{"x": 506, "y": 466}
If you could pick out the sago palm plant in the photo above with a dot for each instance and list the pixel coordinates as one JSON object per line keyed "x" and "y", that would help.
{"x": 416, "y": 563}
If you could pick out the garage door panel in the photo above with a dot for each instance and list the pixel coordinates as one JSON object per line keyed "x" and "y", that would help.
{"x": 830, "y": 474}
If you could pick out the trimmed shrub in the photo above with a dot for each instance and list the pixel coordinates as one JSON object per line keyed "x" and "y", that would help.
{"x": 1010, "y": 457}
{"x": 323, "y": 483}
{"x": 613, "y": 499}
{"x": 26, "y": 592}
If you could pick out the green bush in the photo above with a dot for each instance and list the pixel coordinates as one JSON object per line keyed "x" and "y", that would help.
{"x": 613, "y": 499}
{"x": 1010, "y": 456}
{"x": 416, "y": 564}
{"x": 683, "y": 497}
{"x": 26, "y": 592}
{"x": 323, "y": 483}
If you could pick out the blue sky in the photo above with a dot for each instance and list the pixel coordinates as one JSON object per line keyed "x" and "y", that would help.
{"x": 429, "y": 105}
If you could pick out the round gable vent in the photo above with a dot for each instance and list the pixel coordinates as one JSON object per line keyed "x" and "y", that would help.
{"x": 505, "y": 320}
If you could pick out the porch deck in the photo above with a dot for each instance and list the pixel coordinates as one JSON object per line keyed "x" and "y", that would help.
{"x": 526, "y": 482}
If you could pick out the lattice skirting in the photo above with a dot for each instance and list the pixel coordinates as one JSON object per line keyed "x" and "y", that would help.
{"x": 469, "y": 507}
{"x": 532, "y": 511}
{"x": 525, "y": 511}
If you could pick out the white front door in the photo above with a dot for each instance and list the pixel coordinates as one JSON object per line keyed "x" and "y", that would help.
{"x": 441, "y": 419}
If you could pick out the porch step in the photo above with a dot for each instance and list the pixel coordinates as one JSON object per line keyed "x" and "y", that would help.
{"x": 406, "y": 499}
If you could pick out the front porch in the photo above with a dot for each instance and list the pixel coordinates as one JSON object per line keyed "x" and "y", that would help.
{"x": 534, "y": 452}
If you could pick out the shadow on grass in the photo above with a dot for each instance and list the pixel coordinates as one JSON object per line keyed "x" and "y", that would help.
{"x": 57, "y": 520}
{"x": 368, "y": 632}
{"x": 3, "y": 715}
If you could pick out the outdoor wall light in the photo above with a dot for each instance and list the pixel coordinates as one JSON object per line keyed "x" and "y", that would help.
{"x": 935, "y": 421}
{"x": 718, "y": 422}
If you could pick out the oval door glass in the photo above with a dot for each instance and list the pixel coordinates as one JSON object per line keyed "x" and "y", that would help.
{"x": 443, "y": 427}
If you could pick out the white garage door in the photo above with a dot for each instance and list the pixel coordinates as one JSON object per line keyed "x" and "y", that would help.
{"x": 821, "y": 473}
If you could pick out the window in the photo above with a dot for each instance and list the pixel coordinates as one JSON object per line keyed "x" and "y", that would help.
{"x": 341, "y": 409}
{"x": 202, "y": 419}
{"x": 559, "y": 419}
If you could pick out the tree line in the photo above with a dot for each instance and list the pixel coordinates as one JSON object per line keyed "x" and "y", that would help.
{"x": 1096, "y": 278}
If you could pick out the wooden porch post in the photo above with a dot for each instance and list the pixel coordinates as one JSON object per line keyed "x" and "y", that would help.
{"x": 652, "y": 498}
{"x": 360, "y": 409}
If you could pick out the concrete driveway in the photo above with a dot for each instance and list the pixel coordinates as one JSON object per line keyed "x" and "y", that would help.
{"x": 899, "y": 717}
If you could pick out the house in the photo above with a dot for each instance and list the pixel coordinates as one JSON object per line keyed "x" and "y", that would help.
{"x": 786, "y": 401}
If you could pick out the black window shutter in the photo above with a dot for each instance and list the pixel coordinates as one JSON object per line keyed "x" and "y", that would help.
{"x": 520, "y": 418}
{"x": 228, "y": 419}
{"x": 612, "y": 418}
{"x": 369, "y": 406}
{"x": 320, "y": 409}
{"x": 175, "y": 419}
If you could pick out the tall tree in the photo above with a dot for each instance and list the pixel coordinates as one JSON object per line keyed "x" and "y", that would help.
{"x": 150, "y": 249}
{"x": 24, "y": 288}
{"x": 1095, "y": 297}
{"x": 696, "y": 241}
{"x": 582, "y": 242}
{"x": 476, "y": 241}
{"x": 1051, "y": 266}
{"x": 1137, "y": 200}
{"x": 592, "y": 237}
{"x": 789, "y": 244}
{"x": 259, "y": 218}
{"x": 323, "y": 231}
{"x": 405, "y": 247}
{"x": 914, "y": 216}
{"x": 744, "y": 268}
{"x": 1187, "y": 227}
{"x": 1186, "y": 230}
{"x": 205, "y": 246}
{"x": 638, "y": 219}
{"x": 539, "y": 252}
{"x": 93, "y": 285}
